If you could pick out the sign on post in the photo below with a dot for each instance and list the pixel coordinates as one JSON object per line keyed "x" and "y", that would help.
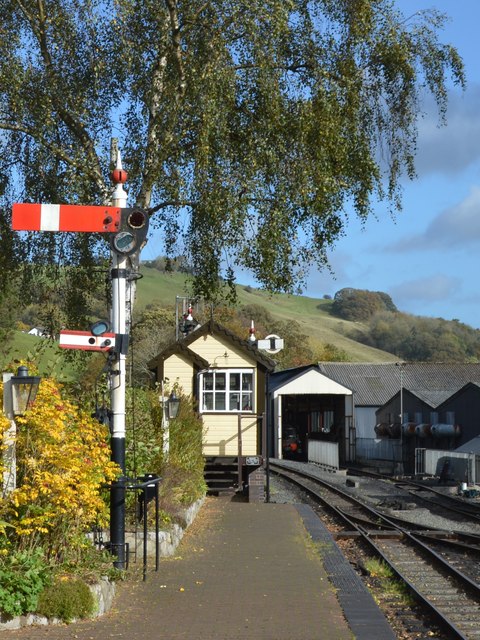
{"x": 271, "y": 344}
{"x": 86, "y": 341}
{"x": 65, "y": 217}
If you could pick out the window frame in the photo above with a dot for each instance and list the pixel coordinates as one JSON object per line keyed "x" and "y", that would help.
{"x": 227, "y": 387}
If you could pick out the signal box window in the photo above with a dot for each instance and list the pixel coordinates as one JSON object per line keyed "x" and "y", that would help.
{"x": 229, "y": 391}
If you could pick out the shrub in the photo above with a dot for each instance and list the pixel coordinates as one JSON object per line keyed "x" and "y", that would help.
{"x": 23, "y": 576}
{"x": 69, "y": 598}
{"x": 63, "y": 461}
{"x": 181, "y": 469}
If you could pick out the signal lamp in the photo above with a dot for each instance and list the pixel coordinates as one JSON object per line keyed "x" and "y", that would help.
{"x": 99, "y": 328}
{"x": 132, "y": 233}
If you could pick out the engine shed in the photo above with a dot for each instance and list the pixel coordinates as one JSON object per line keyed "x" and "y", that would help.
{"x": 308, "y": 410}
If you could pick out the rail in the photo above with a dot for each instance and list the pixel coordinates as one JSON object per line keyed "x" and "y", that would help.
{"x": 454, "y": 600}
{"x": 145, "y": 485}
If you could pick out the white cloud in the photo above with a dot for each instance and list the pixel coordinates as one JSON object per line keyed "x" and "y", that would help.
{"x": 450, "y": 149}
{"x": 428, "y": 289}
{"x": 457, "y": 226}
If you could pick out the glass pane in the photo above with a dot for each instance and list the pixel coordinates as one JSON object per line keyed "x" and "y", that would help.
{"x": 235, "y": 381}
{"x": 220, "y": 402}
{"x": 246, "y": 401}
{"x": 247, "y": 381}
{"x": 208, "y": 381}
{"x": 208, "y": 401}
{"x": 234, "y": 402}
{"x": 315, "y": 421}
{"x": 327, "y": 421}
{"x": 220, "y": 381}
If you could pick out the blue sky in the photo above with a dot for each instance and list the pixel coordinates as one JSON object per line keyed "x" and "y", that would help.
{"x": 428, "y": 258}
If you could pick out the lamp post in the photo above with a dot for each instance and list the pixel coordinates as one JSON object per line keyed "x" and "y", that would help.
{"x": 19, "y": 392}
{"x": 170, "y": 408}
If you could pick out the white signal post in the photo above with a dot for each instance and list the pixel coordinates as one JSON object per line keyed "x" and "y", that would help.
{"x": 127, "y": 229}
{"x": 118, "y": 380}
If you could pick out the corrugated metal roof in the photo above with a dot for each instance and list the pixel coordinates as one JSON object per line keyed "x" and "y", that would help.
{"x": 372, "y": 384}
{"x": 375, "y": 384}
{"x": 472, "y": 446}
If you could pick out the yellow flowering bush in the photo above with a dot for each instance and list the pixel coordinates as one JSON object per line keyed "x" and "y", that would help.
{"x": 4, "y": 427}
{"x": 63, "y": 462}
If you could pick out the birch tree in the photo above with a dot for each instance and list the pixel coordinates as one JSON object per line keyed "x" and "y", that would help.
{"x": 250, "y": 130}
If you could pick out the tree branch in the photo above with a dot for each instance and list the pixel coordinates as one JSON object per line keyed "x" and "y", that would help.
{"x": 157, "y": 127}
{"x": 171, "y": 203}
{"x": 54, "y": 149}
{"x": 73, "y": 123}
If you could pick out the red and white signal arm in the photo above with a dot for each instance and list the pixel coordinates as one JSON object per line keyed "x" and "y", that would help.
{"x": 65, "y": 217}
{"x": 86, "y": 341}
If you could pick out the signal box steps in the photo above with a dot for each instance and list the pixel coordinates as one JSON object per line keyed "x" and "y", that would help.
{"x": 221, "y": 473}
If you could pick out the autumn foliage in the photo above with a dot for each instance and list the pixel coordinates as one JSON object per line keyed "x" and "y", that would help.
{"x": 63, "y": 463}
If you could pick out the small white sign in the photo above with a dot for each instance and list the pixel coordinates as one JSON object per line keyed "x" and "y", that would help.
{"x": 271, "y": 344}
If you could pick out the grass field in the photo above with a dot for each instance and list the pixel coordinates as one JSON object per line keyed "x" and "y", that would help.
{"x": 48, "y": 355}
{"x": 312, "y": 314}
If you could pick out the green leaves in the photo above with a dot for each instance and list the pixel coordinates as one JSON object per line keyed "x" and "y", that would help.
{"x": 23, "y": 575}
{"x": 250, "y": 128}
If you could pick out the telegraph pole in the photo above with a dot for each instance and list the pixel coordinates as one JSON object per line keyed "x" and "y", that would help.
{"x": 118, "y": 380}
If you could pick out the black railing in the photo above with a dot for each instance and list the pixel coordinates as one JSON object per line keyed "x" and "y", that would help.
{"x": 146, "y": 488}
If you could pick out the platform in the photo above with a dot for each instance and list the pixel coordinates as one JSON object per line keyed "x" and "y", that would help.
{"x": 242, "y": 571}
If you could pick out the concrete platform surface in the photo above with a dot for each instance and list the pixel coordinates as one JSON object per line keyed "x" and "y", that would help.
{"x": 242, "y": 571}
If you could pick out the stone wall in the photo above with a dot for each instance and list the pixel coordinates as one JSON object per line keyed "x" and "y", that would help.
{"x": 103, "y": 592}
{"x": 168, "y": 539}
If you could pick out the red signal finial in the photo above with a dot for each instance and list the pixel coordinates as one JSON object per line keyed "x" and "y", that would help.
{"x": 119, "y": 175}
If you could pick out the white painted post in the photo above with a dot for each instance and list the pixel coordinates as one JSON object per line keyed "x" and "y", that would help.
{"x": 165, "y": 422}
{"x": 118, "y": 386}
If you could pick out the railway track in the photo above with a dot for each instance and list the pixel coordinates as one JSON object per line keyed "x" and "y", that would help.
{"x": 439, "y": 567}
{"x": 427, "y": 494}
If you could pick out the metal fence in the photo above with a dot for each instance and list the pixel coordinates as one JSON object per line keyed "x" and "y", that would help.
{"x": 463, "y": 467}
{"x": 323, "y": 453}
{"x": 145, "y": 489}
{"x": 384, "y": 449}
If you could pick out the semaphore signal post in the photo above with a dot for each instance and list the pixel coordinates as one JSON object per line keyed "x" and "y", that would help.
{"x": 127, "y": 229}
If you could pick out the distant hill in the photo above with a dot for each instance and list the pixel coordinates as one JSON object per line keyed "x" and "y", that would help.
{"x": 159, "y": 288}
{"x": 416, "y": 338}
{"x": 312, "y": 314}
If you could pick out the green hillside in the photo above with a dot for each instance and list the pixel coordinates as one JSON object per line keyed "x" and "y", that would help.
{"x": 312, "y": 314}
{"x": 48, "y": 355}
